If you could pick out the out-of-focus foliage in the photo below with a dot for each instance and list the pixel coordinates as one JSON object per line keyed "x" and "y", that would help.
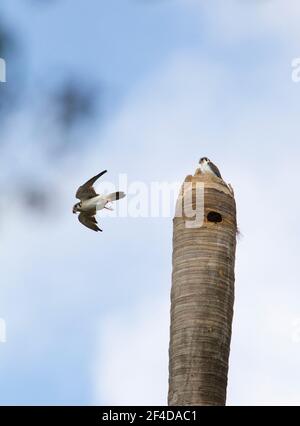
{"x": 69, "y": 105}
{"x": 37, "y": 198}
{"x": 9, "y": 92}
{"x": 73, "y": 103}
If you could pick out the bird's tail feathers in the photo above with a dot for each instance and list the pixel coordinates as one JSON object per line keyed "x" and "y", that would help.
{"x": 115, "y": 196}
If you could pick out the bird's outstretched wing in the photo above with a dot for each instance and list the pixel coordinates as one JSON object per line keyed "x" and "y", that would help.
{"x": 86, "y": 191}
{"x": 215, "y": 169}
{"x": 88, "y": 219}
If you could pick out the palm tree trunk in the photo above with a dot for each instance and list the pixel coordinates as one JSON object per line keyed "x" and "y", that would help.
{"x": 202, "y": 296}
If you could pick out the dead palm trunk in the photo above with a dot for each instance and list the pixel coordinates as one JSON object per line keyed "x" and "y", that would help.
{"x": 202, "y": 297}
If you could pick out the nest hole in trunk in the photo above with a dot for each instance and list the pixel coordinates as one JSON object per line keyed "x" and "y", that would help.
{"x": 214, "y": 217}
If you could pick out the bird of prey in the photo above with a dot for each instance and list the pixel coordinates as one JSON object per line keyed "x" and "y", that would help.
{"x": 90, "y": 202}
{"x": 206, "y": 166}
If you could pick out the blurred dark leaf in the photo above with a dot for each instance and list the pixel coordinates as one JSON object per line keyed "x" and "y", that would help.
{"x": 6, "y": 41}
{"x": 9, "y": 90}
{"x": 38, "y": 199}
{"x": 70, "y": 105}
{"x": 73, "y": 103}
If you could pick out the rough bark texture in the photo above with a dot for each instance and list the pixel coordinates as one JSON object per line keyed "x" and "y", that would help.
{"x": 202, "y": 299}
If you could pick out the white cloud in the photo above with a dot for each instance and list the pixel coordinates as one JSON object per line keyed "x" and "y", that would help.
{"x": 236, "y": 21}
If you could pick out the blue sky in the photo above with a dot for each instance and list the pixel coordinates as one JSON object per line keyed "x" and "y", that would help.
{"x": 118, "y": 42}
{"x": 86, "y": 312}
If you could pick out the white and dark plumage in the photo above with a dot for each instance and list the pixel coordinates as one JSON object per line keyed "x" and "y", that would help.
{"x": 91, "y": 202}
{"x": 206, "y": 166}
